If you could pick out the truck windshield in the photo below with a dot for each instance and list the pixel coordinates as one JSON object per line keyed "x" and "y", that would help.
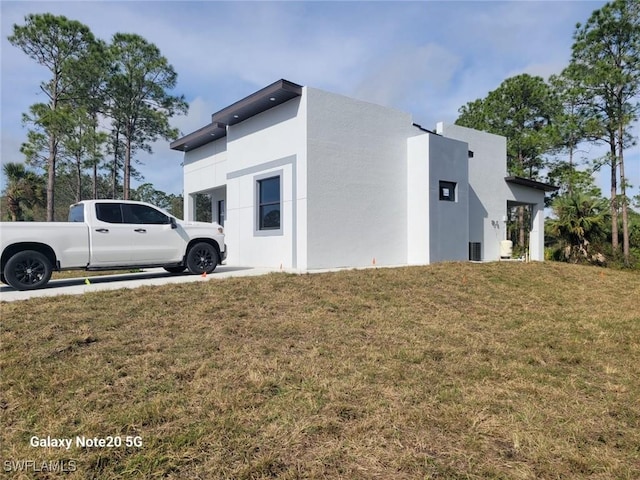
{"x": 76, "y": 213}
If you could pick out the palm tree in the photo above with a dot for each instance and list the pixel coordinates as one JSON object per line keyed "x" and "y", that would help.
{"x": 25, "y": 189}
{"x": 580, "y": 220}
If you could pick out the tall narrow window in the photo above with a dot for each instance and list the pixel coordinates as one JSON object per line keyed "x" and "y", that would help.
{"x": 269, "y": 203}
{"x": 221, "y": 212}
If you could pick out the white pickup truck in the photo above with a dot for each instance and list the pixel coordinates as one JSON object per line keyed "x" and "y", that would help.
{"x": 106, "y": 235}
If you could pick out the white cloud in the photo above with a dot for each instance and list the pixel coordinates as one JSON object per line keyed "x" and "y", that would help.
{"x": 199, "y": 115}
{"x": 408, "y": 74}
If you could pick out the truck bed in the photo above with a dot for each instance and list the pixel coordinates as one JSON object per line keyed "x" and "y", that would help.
{"x": 70, "y": 240}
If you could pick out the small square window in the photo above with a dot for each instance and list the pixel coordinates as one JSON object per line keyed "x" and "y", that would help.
{"x": 447, "y": 191}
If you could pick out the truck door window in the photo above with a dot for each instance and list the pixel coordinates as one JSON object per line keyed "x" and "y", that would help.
{"x": 142, "y": 214}
{"x": 76, "y": 213}
{"x": 109, "y": 212}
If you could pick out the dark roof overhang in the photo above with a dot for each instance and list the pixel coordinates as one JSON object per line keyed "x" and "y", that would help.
{"x": 271, "y": 96}
{"x": 526, "y": 182}
{"x": 200, "y": 137}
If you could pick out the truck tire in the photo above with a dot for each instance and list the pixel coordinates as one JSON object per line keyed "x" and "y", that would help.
{"x": 28, "y": 270}
{"x": 202, "y": 258}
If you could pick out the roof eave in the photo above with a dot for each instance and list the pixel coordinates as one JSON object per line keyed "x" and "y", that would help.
{"x": 527, "y": 182}
{"x": 202, "y": 136}
{"x": 268, "y": 97}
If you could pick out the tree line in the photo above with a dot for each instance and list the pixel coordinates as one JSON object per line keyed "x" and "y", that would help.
{"x": 594, "y": 100}
{"x": 104, "y": 102}
{"x": 24, "y": 197}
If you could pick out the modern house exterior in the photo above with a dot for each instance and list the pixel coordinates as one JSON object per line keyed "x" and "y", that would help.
{"x": 306, "y": 179}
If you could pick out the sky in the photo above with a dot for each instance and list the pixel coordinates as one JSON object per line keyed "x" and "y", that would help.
{"x": 427, "y": 58}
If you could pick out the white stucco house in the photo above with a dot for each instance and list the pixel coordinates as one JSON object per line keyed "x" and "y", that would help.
{"x": 306, "y": 179}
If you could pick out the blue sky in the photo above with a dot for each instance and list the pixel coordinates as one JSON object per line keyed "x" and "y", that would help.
{"x": 425, "y": 57}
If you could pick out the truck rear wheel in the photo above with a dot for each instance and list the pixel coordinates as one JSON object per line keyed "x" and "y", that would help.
{"x": 202, "y": 258}
{"x": 28, "y": 270}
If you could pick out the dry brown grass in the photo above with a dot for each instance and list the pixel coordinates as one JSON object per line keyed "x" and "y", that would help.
{"x": 452, "y": 371}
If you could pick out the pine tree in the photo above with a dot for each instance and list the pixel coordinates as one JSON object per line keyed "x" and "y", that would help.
{"x": 605, "y": 63}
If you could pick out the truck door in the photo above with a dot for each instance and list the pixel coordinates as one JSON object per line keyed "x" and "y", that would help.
{"x": 111, "y": 239}
{"x": 154, "y": 239}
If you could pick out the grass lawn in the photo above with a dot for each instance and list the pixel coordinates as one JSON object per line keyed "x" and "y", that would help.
{"x": 451, "y": 371}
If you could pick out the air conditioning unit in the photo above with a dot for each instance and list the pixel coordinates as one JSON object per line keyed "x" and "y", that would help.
{"x": 506, "y": 248}
{"x": 475, "y": 251}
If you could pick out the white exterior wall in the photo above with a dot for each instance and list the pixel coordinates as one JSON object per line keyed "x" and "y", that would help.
{"x": 357, "y": 182}
{"x": 418, "y": 221}
{"x": 489, "y": 193}
{"x": 487, "y": 188}
{"x": 272, "y": 142}
{"x": 536, "y": 237}
{"x": 449, "y": 221}
{"x": 437, "y": 230}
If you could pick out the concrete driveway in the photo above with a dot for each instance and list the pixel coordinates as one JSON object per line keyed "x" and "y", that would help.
{"x": 153, "y": 276}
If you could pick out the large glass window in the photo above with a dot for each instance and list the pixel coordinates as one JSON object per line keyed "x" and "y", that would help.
{"x": 269, "y": 203}
{"x": 203, "y": 207}
{"x": 221, "y": 212}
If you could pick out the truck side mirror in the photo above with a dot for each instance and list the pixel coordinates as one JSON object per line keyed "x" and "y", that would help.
{"x": 173, "y": 222}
